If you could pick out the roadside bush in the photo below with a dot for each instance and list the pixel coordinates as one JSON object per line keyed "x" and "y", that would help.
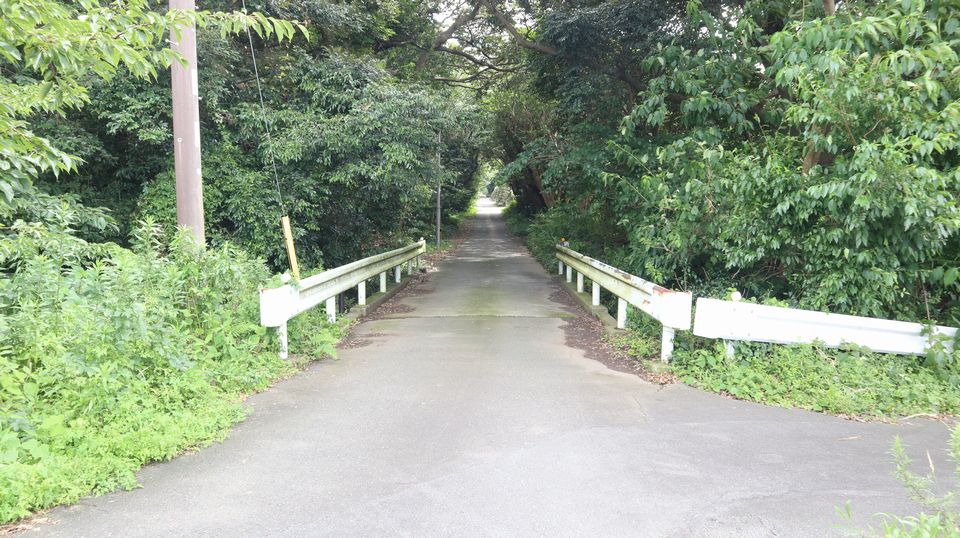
{"x": 584, "y": 231}
{"x": 132, "y": 358}
{"x": 516, "y": 220}
{"x": 830, "y": 182}
{"x": 941, "y": 514}
{"x": 850, "y": 382}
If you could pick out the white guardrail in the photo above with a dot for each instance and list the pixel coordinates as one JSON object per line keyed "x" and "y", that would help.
{"x": 671, "y": 308}
{"x": 279, "y": 305}
{"x": 734, "y": 320}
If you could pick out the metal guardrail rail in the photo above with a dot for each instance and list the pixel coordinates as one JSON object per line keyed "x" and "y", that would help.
{"x": 741, "y": 321}
{"x": 734, "y": 320}
{"x": 670, "y": 308}
{"x": 279, "y": 305}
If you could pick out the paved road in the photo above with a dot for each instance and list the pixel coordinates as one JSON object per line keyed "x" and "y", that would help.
{"x": 465, "y": 413}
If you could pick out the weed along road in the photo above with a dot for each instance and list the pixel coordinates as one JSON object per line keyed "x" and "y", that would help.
{"x": 471, "y": 406}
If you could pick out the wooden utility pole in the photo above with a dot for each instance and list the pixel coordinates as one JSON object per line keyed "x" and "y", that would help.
{"x": 186, "y": 127}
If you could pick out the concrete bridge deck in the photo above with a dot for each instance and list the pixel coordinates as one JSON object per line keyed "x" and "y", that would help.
{"x": 470, "y": 408}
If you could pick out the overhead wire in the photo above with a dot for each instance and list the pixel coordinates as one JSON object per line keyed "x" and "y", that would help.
{"x": 284, "y": 218}
{"x": 263, "y": 113}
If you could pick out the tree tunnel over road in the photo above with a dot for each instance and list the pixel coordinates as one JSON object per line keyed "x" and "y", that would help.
{"x": 465, "y": 407}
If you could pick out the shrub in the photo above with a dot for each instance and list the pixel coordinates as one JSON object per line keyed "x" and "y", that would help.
{"x": 133, "y": 358}
{"x": 844, "y": 382}
{"x": 584, "y": 231}
{"x": 830, "y": 182}
{"x": 517, "y": 221}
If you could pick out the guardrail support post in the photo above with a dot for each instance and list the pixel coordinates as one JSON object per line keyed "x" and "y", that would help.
{"x": 559, "y": 268}
{"x": 362, "y": 293}
{"x": 383, "y": 282}
{"x": 282, "y": 336}
{"x": 666, "y": 344}
{"x": 409, "y": 267}
{"x": 332, "y": 309}
{"x": 579, "y": 282}
{"x": 396, "y": 274}
{"x": 569, "y": 274}
{"x": 596, "y": 294}
{"x": 621, "y": 313}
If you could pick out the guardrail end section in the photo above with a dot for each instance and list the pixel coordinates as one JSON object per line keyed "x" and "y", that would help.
{"x": 277, "y": 305}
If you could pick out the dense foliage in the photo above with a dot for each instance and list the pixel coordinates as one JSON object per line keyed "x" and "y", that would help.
{"x": 772, "y": 148}
{"x": 134, "y": 358}
{"x": 49, "y": 54}
{"x": 845, "y": 382}
{"x": 355, "y": 153}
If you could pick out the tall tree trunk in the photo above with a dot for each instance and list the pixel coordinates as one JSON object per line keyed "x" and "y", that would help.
{"x": 547, "y": 197}
{"x": 814, "y": 156}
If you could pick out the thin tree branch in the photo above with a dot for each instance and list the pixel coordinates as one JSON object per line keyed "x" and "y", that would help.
{"x": 476, "y": 60}
{"x": 459, "y": 85}
{"x": 470, "y": 78}
{"x": 511, "y": 29}
{"x": 445, "y": 35}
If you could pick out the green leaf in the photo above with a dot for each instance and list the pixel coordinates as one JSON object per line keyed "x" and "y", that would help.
{"x": 950, "y": 276}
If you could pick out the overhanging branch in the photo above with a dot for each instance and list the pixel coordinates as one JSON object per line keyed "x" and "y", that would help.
{"x": 445, "y": 35}
{"x": 476, "y": 60}
{"x": 511, "y": 29}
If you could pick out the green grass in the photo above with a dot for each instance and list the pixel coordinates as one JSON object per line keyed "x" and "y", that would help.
{"x": 445, "y": 245}
{"x": 940, "y": 513}
{"x": 849, "y": 382}
{"x": 846, "y": 382}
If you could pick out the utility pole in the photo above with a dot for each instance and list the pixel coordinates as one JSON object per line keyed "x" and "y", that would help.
{"x": 438, "y": 190}
{"x": 186, "y": 127}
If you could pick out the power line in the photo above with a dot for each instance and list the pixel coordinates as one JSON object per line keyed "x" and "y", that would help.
{"x": 263, "y": 113}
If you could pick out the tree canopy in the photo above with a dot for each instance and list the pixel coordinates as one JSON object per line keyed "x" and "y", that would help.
{"x": 796, "y": 151}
